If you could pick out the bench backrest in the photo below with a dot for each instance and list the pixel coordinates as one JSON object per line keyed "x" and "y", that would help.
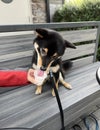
{"x": 16, "y": 51}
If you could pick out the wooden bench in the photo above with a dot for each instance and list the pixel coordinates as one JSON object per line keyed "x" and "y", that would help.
{"x": 20, "y": 107}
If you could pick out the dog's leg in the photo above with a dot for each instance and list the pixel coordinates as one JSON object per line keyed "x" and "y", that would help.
{"x": 56, "y": 80}
{"x": 38, "y": 90}
{"x": 53, "y": 92}
{"x": 65, "y": 84}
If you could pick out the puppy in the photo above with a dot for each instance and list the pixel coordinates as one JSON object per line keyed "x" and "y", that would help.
{"x": 49, "y": 47}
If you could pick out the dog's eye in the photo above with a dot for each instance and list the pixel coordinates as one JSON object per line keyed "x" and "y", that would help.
{"x": 43, "y": 51}
{"x": 55, "y": 56}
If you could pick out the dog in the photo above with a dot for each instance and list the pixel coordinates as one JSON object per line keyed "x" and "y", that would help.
{"x": 49, "y": 47}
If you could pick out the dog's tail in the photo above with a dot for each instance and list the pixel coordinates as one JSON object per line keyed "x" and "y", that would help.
{"x": 66, "y": 65}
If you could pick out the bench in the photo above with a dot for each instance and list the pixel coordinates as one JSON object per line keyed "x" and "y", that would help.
{"x": 20, "y": 107}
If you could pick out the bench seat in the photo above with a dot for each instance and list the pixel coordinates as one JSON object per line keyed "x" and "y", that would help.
{"x": 22, "y": 108}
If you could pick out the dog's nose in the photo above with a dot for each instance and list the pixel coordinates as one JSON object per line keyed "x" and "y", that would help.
{"x": 43, "y": 68}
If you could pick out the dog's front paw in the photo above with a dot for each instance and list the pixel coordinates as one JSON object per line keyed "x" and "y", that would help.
{"x": 53, "y": 93}
{"x": 67, "y": 85}
{"x": 38, "y": 90}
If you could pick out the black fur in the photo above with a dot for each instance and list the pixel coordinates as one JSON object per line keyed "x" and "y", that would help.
{"x": 67, "y": 65}
{"x": 51, "y": 47}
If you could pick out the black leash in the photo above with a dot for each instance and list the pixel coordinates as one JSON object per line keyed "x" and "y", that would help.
{"x": 58, "y": 100}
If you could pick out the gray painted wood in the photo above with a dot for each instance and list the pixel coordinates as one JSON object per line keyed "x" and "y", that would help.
{"x": 22, "y": 108}
{"x": 31, "y": 27}
{"x": 12, "y": 64}
{"x": 77, "y": 36}
{"x": 82, "y": 62}
{"x": 81, "y": 50}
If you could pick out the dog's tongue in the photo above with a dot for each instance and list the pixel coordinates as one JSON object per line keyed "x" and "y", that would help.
{"x": 40, "y": 73}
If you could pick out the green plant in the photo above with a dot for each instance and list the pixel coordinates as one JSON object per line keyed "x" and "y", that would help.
{"x": 85, "y": 10}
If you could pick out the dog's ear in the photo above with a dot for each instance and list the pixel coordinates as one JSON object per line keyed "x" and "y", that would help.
{"x": 69, "y": 45}
{"x": 42, "y": 32}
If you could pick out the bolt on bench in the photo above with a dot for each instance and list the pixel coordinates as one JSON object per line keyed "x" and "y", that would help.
{"x": 20, "y": 107}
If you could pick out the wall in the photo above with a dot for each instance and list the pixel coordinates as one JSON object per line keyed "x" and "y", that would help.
{"x": 54, "y": 5}
{"x": 39, "y": 9}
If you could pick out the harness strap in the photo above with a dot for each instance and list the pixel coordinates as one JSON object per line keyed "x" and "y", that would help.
{"x": 58, "y": 100}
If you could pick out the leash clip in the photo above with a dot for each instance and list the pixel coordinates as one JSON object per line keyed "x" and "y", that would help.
{"x": 51, "y": 74}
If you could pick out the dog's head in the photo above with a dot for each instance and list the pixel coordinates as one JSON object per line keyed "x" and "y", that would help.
{"x": 49, "y": 46}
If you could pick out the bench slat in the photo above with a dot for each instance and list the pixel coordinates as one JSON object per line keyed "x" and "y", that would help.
{"x": 22, "y": 62}
{"x": 17, "y": 55}
{"x": 81, "y": 50}
{"x": 76, "y": 36}
{"x": 82, "y": 62}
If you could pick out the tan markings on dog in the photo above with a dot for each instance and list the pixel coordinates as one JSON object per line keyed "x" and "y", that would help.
{"x": 35, "y": 66}
{"x": 65, "y": 84}
{"x": 39, "y": 59}
{"x": 39, "y": 35}
{"x": 46, "y": 50}
{"x": 53, "y": 92}
{"x": 55, "y": 69}
{"x": 55, "y": 54}
{"x": 48, "y": 68}
{"x": 38, "y": 90}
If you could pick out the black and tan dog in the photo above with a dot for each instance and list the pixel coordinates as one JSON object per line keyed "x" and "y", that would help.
{"x": 49, "y": 47}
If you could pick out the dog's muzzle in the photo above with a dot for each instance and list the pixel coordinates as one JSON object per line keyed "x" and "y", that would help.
{"x": 43, "y": 68}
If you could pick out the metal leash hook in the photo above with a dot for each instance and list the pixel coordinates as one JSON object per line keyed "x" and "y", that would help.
{"x": 58, "y": 100}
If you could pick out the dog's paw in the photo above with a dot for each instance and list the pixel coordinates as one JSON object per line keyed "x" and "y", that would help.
{"x": 38, "y": 90}
{"x": 67, "y": 85}
{"x": 53, "y": 93}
